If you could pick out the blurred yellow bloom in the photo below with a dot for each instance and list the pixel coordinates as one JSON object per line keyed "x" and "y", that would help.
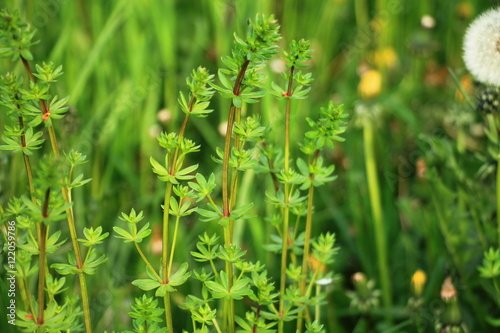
{"x": 359, "y": 278}
{"x": 465, "y": 10}
{"x": 316, "y": 264}
{"x": 386, "y": 58}
{"x": 418, "y": 282}
{"x": 466, "y": 83}
{"x": 370, "y": 84}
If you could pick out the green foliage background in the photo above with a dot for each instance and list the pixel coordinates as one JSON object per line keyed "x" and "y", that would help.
{"x": 125, "y": 60}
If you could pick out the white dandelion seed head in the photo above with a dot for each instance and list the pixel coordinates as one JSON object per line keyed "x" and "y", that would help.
{"x": 428, "y": 22}
{"x": 482, "y": 47}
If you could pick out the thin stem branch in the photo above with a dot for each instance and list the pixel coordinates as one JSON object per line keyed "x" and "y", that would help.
{"x": 307, "y": 239}
{"x": 226, "y": 204}
{"x": 287, "y": 119}
{"x": 166, "y": 217}
{"x": 307, "y": 246}
{"x": 27, "y": 163}
{"x": 42, "y": 250}
{"x": 174, "y": 240}
{"x": 70, "y": 216}
{"x": 164, "y": 262}
{"x": 271, "y": 167}
{"x": 227, "y": 143}
{"x": 168, "y": 312}
{"x": 378, "y": 221}
{"x": 225, "y": 162}
{"x": 498, "y": 200}
{"x": 286, "y": 210}
{"x": 146, "y": 261}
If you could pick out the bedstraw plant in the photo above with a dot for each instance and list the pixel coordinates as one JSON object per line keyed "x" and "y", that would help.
{"x": 225, "y": 275}
{"x": 33, "y": 108}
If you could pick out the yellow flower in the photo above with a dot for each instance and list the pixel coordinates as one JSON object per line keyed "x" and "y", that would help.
{"x": 418, "y": 282}
{"x": 316, "y": 264}
{"x": 370, "y": 84}
{"x": 386, "y": 58}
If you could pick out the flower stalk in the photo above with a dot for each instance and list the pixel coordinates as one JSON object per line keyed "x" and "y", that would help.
{"x": 378, "y": 220}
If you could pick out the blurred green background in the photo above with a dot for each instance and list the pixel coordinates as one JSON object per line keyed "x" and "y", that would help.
{"x": 126, "y": 60}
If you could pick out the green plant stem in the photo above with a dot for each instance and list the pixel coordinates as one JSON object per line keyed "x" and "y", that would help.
{"x": 216, "y": 325}
{"x": 225, "y": 163}
{"x": 307, "y": 246}
{"x": 166, "y": 218}
{"x": 85, "y": 301}
{"x": 498, "y": 200}
{"x": 230, "y": 276}
{"x": 41, "y": 272}
{"x": 70, "y": 217}
{"x": 227, "y": 142}
{"x": 26, "y": 295}
{"x": 317, "y": 314}
{"x": 27, "y": 163}
{"x": 216, "y": 273}
{"x": 287, "y": 119}
{"x": 79, "y": 263}
{"x": 29, "y": 174}
{"x": 284, "y": 252}
{"x": 164, "y": 261}
{"x": 226, "y": 209}
{"x": 42, "y": 250}
{"x": 168, "y": 312}
{"x": 374, "y": 192}
{"x": 286, "y": 210}
{"x": 45, "y": 110}
{"x": 146, "y": 261}
{"x": 361, "y": 11}
{"x": 446, "y": 233}
{"x": 307, "y": 239}
{"x": 271, "y": 168}
{"x": 174, "y": 241}
{"x": 477, "y": 222}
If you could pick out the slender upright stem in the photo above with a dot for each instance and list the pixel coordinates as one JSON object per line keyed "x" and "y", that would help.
{"x": 287, "y": 119}
{"x": 165, "y": 243}
{"x": 498, "y": 201}
{"x": 307, "y": 246}
{"x": 85, "y": 302}
{"x": 227, "y": 142}
{"x": 284, "y": 252}
{"x": 27, "y": 67}
{"x": 29, "y": 174}
{"x": 286, "y": 210}
{"x": 70, "y": 217}
{"x": 317, "y": 315}
{"x": 174, "y": 240}
{"x": 41, "y": 272}
{"x": 168, "y": 311}
{"x": 271, "y": 167}
{"x": 378, "y": 220}
{"x": 42, "y": 250}
{"x": 164, "y": 260}
{"x": 27, "y": 163}
{"x": 146, "y": 261}
{"x": 230, "y": 273}
{"x": 225, "y": 162}
{"x": 226, "y": 204}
